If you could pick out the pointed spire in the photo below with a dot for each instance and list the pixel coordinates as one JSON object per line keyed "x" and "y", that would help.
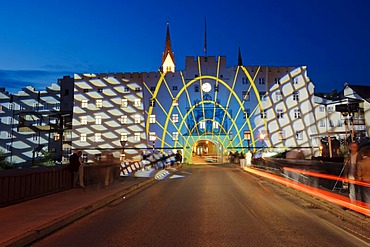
{"x": 168, "y": 58}
{"x": 240, "y": 61}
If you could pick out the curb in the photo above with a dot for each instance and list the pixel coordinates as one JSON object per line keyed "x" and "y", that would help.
{"x": 44, "y": 230}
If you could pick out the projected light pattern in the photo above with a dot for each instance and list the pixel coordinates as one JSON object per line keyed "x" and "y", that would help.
{"x": 107, "y": 112}
{"x": 212, "y": 102}
{"x": 29, "y": 125}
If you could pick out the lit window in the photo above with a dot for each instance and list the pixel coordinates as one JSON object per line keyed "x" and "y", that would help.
{"x": 35, "y": 106}
{"x": 56, "y": 137}
{"x": 83, "y": 120}
{"x": 124, "y": 136}
{"x": 245, "y": 95}
{"x": 84, "y": 103}
{"x": 123, "y": 119}
{"x": 56, "y": 106}
{"x": 83, "y": 137}
{"x": 124, "y": 103}
{"x": 97, "y": 119}
{"x": 137, "y": 137}
{"x": 137, "y": 118}
{"x": 175, "y": 118}
{"x": 175, "y": 136}
{"x": 152, "y": 102}
{"x": 281, "y": 135}
{"x": 1, "y": 107}
{"x": 278, "y": 96}
{"x": 202, "y": 125}
{"x": 297, "y": 113}
{"x": 137, "y": 102}
{"x": 295, "y": 96}
{"x": 99, "y": 103}
{"x": 98, "y": 137}
{"x": 279, "y": 113}
{"x": 152, "y": 136}
{"x": 277, "y": 81}
{"x": 175, "y": 102}
{"x": 299, "y": 135}
{"x": 261, "y": 81}
{"x": 215, "y": 125}
{"x": 152, "y": 119}
{"x": 11, "y": 106}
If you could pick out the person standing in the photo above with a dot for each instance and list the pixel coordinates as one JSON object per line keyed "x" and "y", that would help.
{"x": 350, "y": 169}
{"x": 76, "y": 167}
{"x": 81, "y": 170}
{"x": 363, "y": 175}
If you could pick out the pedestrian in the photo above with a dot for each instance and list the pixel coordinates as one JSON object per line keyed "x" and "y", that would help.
{"x": 178, "y": 157}
{"x": 76, "y": 167}
{"x": 350, "y": 170}
{"x": 363, "y": 175}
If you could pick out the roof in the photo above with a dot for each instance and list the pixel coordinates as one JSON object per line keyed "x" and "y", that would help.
{"x": 362, "y": 91}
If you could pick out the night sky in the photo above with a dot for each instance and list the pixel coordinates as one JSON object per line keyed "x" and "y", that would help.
{"x": 42, "y": 40}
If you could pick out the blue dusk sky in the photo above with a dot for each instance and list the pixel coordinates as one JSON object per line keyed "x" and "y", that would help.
{"x": 43, "y": 40}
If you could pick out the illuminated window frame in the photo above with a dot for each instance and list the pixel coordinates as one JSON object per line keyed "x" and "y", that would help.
{"x": 299, "y": 135}
{"x": 152, "y": 119}
{"x": 137, "y": 118}
{"x": 215, "y": 125}
{"x": 56, "y": 137}
{"x": 297, "y": 113}
{"x": 264, "y": 114}
{"x": 279, "y": 114}
{"x": 83, "y": 138}
{"x": 296, "y": 96}
{"x": 322, "y": 123}
{"x": 137, "y": 102}
{"x": 124, "y": 119}
{"x": 98, "y": 119}
{"x": 175, "y": 118}
{"x": 137, "y": 137}
{"x": 175, "y": 102}
{"x": 97, "y": 137}
{"x": 124, "y": 136}
{"x": 84, "y": 103}
{"x": 175, "y": 136}
{"x": 124, "y": 103}
{"x": 83, "y": 120}
{"x": 202, "y": 125}
{"x": 99, "y": 103}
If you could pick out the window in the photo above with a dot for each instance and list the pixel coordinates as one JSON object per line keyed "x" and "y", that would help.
{"x": 123, "y": 119}
{"x": 8, "y": 147}
{"x": 277, "y": 81}
{"x": 34, "y": 136}
{"x": 137, "y": 102}
{"x": 215, "y": 125}
{"x": 297, "y": 113}
{"x": 174, "y": 88}
{"x": 152, "y": 89}
{"x": 264, "y": 114}
{"x": 137, "y": 118}
{"x": 152, "y": 102}
{"x": 56, "y": 106}
{"x": 97, "y": 119}
{"x": 244, "y": 80}
{"x": 331, "y": 124}
{"x": 124, "y": 136}
{"x": 175, "y": 118}
{"x": 321, "y": 108}
{"x": 9, "y": 135}
{"x": 84, "y": 103}
{"x": 202, "y": 125}
{"x": 35, "y": 106}
{"x": 340, "y": 123}
{"x": 83, "y": 137}
{"x": 127, "y": 89}
{"x": 99, "y": 103}
{"x": 175, "y": 102}
{"x": 98, "y": 137}
{"x": 137, "y": 89}
{"x": 100, "y": 90}
{"x": 247, "y": 112}
{"x": 245, "y": 95}
{"x": 152, "y": 137}
{"x": 261, "y": 81}
{"x": 137, "y": 137}
{"x": 278, "y": 95}
{"x": 330, "y": 109}
{"x": 152, "y": 119}
{"x": 175, "y": 136}
{"x": 56, "y": 137}
{"x": 295, "y": 80}
{"x": 196, "y": 88}
{"x": 86, "y": 90}
{"x": 124, "y": 103}
{"x": 281, "y": 135}
{"x": 296, "y": 96}
{"x": 83, "y": 120}
{"x": 322, "y": 123}
{"x": 279, "y": 113}
{"x": 299, "y": 135}
{"x": 11, "y": 106}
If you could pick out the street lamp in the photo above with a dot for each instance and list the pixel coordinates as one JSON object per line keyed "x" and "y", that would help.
{"x": 247, "y": 136}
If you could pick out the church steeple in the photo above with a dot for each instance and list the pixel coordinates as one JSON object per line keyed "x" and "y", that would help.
{"x": 240, "y": 62}
{"x": 168, "y": 58}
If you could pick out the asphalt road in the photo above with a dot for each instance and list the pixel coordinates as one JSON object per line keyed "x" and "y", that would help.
{"x": 210, "y": 205}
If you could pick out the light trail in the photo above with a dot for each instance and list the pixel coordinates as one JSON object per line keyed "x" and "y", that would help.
{"x": 340, "y": 200}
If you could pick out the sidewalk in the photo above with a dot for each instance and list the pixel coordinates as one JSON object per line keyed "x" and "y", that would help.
{"x": 28, "y": 221}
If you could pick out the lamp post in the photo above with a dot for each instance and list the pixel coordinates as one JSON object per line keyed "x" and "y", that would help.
{"x": 247, "y": 136}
